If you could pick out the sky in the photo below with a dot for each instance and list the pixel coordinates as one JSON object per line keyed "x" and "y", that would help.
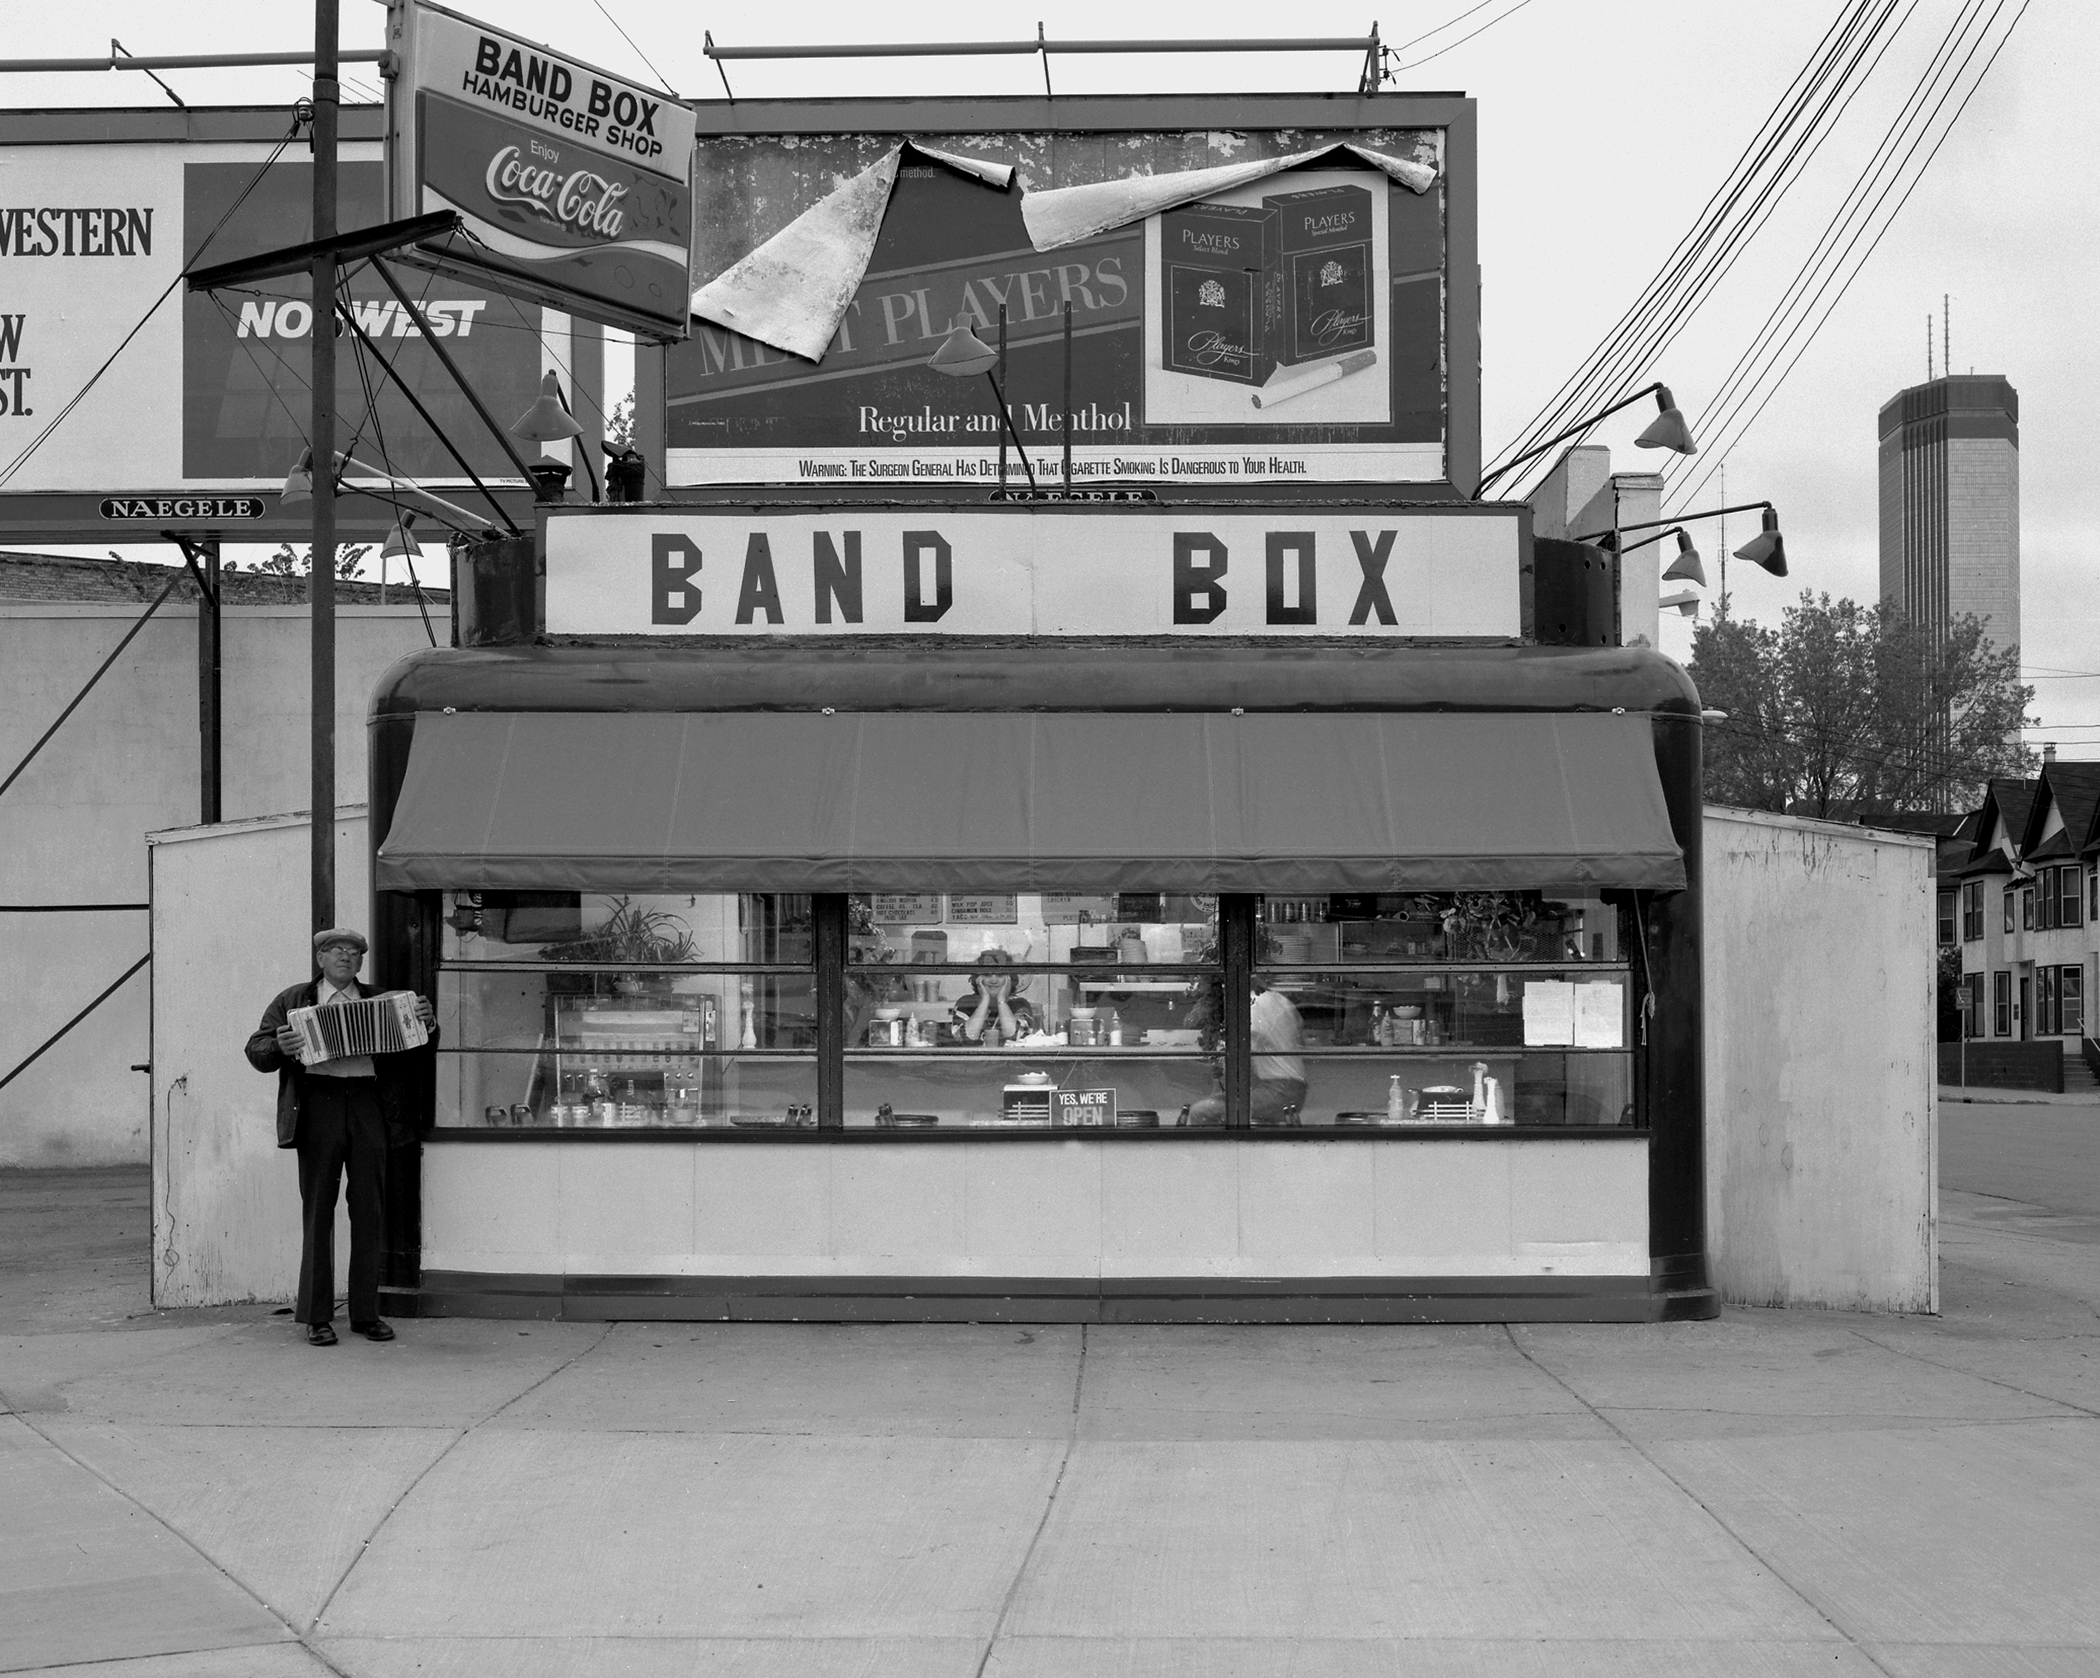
{"x": 1605, "y": 125}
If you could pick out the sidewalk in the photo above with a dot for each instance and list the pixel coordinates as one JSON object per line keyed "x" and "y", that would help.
{"x": 191, "y": 1495}
{"x": 1977, "y": 1094}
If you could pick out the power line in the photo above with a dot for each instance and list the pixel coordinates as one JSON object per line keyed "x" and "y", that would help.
{"x": 1583, "y": 389}
{"x": 1726, "y": 427}
{"x": 1461, "y": 41}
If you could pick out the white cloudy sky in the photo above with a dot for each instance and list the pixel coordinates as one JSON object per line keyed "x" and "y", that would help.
{"x": 1605, "y": 124}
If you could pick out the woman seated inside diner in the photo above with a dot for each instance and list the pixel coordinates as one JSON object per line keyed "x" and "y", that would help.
{"x": 992, "y": 1004}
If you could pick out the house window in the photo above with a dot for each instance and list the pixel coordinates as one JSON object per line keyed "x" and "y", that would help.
{"x": 2067, "y": 895}
{"x": 2027, "y": 909}
{"x": 2010, "y": 895}
{"x": 1972, "y": 1005}
{"x": 2092, "y": 895}
{"x": 1972, "y": 911}
{"x": 2046, "y": 1015}
{"x": 2070, "y": 992}
{"x": 2001, "y": 1004}
{"x": 1946, "y": 917}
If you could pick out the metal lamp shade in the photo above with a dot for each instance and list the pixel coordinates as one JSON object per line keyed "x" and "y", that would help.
{"x": 299, "y": 482}
{"x": 547, "y": 420}
{"x": 401, "y": 541}
{"x": 1668, "y": 429}
{"x": 1686, "y": 567}
{"x": 962, "y": 353}
{"x": 1767, "y": 547}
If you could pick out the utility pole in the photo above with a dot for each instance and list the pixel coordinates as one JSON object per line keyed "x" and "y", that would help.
{"x": 327, "y": 98}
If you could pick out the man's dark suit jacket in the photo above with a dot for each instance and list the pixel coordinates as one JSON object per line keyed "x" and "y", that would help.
{"x": 407, "y": 1081}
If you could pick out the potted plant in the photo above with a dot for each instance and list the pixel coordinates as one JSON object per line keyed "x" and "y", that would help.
{"x": 632, "y": 932}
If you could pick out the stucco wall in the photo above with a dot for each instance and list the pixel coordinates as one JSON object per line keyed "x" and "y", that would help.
{"x": 229, "y": 932}
{"x": 125, "y": 764}
{"x": 1821, "y": 1094}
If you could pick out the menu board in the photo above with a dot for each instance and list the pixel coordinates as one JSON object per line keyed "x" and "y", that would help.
{"x": 1600, "y": 1015}
{"x": 907, "y": 908}
{"x": 982, "y": 909}
{"x": 1071, "y": 908}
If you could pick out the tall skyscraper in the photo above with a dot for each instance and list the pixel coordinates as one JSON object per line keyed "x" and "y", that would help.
{"x": 1950, "y": 502}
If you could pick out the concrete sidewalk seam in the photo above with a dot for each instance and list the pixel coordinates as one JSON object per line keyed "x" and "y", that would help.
{"x": 291, "y": 1633}
{"x": 451, "y": 1445}
{"x": 1822, "y": 1611}
{"x": 2077, "y": 1410}
{"x": 1035, "y": 1538}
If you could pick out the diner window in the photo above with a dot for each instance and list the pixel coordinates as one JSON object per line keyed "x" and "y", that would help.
{"x": 627, "y": 1011}
{"x": 1971, "y": 911}
{"x": 1012, "y": 1012}
{"x": 2001, "y": 1004}
{"x": 1032, "y": 1010}
{"x": 1441, "y": 1008}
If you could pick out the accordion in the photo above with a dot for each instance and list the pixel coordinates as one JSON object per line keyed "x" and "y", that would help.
{"x": 372, "y": 1025}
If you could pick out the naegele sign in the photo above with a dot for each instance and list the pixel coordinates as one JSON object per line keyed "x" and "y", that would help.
{"x": 948, "y": 569}
{"x": 1262, "y": 292}
{"x": 574, "y": 184}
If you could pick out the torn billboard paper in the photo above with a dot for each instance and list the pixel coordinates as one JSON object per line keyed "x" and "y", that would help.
{"x": 1065, "y": 215}
{"x": 793, "y": 291}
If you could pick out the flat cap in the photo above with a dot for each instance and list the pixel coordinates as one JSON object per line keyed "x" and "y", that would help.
{"x": 340, "y": 935}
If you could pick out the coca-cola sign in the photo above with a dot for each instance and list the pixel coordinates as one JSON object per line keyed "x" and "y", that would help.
{"x": 582, "y": 201}
{"x": 573, "y": 183}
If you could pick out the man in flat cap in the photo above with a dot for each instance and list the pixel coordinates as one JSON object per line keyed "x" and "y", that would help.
{"x": 337, "y": 1113}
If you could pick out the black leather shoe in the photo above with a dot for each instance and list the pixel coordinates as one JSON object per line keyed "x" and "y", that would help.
{"x": 373, "y": 1330}
{"x": 320, "y": 1334}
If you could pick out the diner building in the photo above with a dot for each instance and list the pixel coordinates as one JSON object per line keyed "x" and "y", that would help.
{"x": 1208, "y": 866}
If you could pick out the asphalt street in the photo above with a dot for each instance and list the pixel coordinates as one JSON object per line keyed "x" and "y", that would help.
{"x": 195, "y": 1494}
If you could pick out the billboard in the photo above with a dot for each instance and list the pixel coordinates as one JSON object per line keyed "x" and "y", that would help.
{"x": 1250, "y": 306}
{"x": 574, "y": 184}
{"x": 1089, "y": 570}
{"x": 162, "y": 398}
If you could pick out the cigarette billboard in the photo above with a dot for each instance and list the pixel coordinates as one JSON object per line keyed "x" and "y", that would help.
{"x": 573, "y": 184}
{"x": 1267, "y": 303}
{"x": 116, "y": 382}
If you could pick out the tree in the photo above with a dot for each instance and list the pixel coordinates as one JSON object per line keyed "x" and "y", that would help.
{"x": 288, "y": 562}
{"x": 1852, "y": 711}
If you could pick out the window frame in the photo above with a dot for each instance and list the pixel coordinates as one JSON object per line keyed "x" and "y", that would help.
{"x": 2070, "y": 997}
{"x": 2011, "y": 897}
{"x": 1971, "y": 911}
{"x": 2001, "y": 1003}
{"x": 2069, "y": 895}
{"x": 2027, "y": 895}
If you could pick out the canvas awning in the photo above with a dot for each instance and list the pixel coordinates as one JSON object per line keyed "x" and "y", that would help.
{"x": 1274, "y": 802}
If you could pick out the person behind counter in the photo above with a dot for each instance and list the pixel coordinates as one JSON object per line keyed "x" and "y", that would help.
{"x": 1276, "y": 1036}
{"x": 992, "y": 1002}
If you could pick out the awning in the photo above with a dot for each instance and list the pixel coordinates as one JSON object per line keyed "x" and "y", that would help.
{"x": 1029, "y": 801}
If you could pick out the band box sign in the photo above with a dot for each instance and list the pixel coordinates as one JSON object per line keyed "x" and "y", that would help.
{"x": 574, "y": 183}
{"x": 1396, "y": 573}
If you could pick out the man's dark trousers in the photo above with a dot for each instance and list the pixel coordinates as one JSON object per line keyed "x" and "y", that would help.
{"x": 339, "y": 1126}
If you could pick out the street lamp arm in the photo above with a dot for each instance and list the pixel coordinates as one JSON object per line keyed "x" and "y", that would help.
{"x": 1573, "y": 431}
{"x": 1682, "y": 518}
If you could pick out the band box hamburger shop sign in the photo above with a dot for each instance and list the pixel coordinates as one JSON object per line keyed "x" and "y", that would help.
{"x": 574, "y": 184}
